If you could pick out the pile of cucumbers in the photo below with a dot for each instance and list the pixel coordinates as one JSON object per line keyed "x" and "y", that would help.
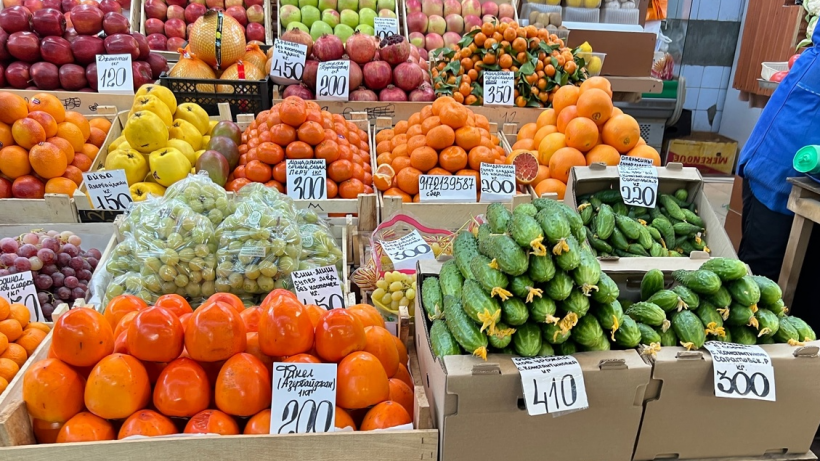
{"x": 672, "y": 228}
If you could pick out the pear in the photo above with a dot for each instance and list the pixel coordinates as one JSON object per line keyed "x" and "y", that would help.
{"x": 168, "y": 165}
{"x": 194, "y": 114}
{"x": 145, "y": 131}
{"x": 164, "y": 94}
{"x": 153, "y": 104}
{"x": 140, "y": 190}
{"x": 183, "y": 147}
{"x": 131, "y": 161}
{"x": 187, "y": 132}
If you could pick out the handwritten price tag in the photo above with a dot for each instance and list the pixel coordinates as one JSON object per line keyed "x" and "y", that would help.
{"x": 639, "y": 181}
{"x": 405, "y": 251}
{"x": 498, "y": 88}
{"x": 114, "y": 74}
{"x": 447, "y": 189}
{"x": 108, "y": 189}
{"x": 742, "y": 372}
{"x": 385, "y": 27}
{"x": 552, "y": 384}
{"x": 307, "y": 179}
{"x": 19, "y": 288}
{"x": 288, "y": 62}
{"x": 304, "y": 398}
{"x": 497, "y": 182}
{"x": 319, "y": 286}
{"x": 333, "y": 81}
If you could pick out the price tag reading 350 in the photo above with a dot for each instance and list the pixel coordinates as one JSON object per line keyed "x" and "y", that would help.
{"x": 497, "y": 182}
{"x": 114, "y": 74}
{"x": 498, "y": 88}
{"x": 742, "y": 372}
{"x": 307, "y": 179}
{"x": 319, "y": 286}
{"x": 333, "y": 81}
{"x": 447, "y": 189}
{"x": 385, "y": 27}
{"x": 108, "y": 189}
{"x": 288, "y": 62}
{"x": 552, "y": 384}
{"x": 304, "y": 398}
{"x": 639, "y": 181}
{"x": 405, "y": 251}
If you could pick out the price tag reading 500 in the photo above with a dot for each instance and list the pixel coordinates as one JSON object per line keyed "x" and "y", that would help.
{"x": 498, "y": 88}
{"x": 288, "y": 62}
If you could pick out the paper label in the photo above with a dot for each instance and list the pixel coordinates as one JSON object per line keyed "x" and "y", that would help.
{"x": 108, "y": 189}
{"x": 639, "y": 181}
{"x": 333, "y": 81}
{"x": 497, "y": 182}
{"x": 742, "y": 372}
{"x": 447, "y": 189}
{"x": 385, "y": 27}
{"x": 552, "y": 384}
{"x": 19, "y": 288}
{"x": 498, "y": 88}
{"x": 405, "y": 251}
{"x": 319, "y": 286}
{"x": 304, "y": 398}
{"x": 252, "y": 252}
{"x": 288, "y": 62}
{"x": 115, "y": 74}
{"x": 307, "y": 179}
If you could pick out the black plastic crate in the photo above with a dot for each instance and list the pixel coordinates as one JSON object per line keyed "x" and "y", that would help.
{"x": 248, "y": 96}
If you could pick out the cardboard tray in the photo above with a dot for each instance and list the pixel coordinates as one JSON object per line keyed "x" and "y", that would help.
{"x": 479, "y": 411}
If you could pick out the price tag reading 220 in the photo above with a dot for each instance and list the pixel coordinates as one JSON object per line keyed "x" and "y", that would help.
{"x": 639, "y": 181}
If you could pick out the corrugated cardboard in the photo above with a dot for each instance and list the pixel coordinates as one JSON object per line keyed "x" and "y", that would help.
{"x": 734, "y": 228}
{"x": 480, "y": 412}
{"x": 628, "y": 53}
{"x": 710, "y": 153}
{"x": 586, "y": 180}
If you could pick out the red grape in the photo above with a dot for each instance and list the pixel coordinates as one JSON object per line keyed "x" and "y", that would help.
{"x": 63, "y": 259}
{"x": 46, "y": 255}
{"x": 71, "y": 250}
{"x": 76, "y": 263}
{"x": 93, "y": 262}
{"x": 28, "y": 250}
{"x": 58, "y": 279}
{"x": 33, "y": 239}
{"x": 8, "y": 245}
{"x": 78, "y": 293}
{"x": 51, "y": 243}
{"x": 68, "y": 272}
{"x": 84, "y": 274}
{"x": 43, "y": 282}
{"x": 49, "y": 269}
{"x": 7, "y": 259}
{"x": 22, "y": 264}
{"x": 64, "y": 293}
{"x": 71, "y": 282}
{"x": 36, "y": 263}
{"x": 94, "y": 253}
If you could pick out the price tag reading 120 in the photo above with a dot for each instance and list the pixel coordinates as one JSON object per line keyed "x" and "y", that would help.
{"x": 497, "y": 182}
{"x": 114, "y": 74}
{"x": 108, "y": 189}
{"x": 333, "y": 81}
{"x": 385, "y": 27}
{"x": 307, "y": 179}
{"x": 405, "y": 251}
{"x": 288, "y": 62}
{"x": 639, "y": 181}
{"x": 742, "y": 372}
{"x": 498, "y": 88}
{"x": 304, "y": 398}
{"x": 552, "y": 384}
{"x": 447, "y": 189}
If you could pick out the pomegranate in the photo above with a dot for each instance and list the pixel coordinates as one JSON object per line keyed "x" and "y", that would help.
{"x": 56, "y": 50}
{"x": 45, "y": 75}
{"x": 24, "y": 46}
{"x": 15, "y": 19}
{"x": 408, "y": 76}
{"x": 328, "y": 48}
{"x": 363, "y": 94}
{"x": 360, "y": 48}
{"x": 18, "y": 74}
{"x": 299, "y": 36}
{"x": 355, "y": 76}
{"x": 394, "y": 49}
{"x": 391, "y": 93}
{"x": 202, "y": 43}
{"x": 423, "y": 93}
{"x": 300, "y": 91}
{"x": 309, "y": 75}
{"x": 377, "y": 74}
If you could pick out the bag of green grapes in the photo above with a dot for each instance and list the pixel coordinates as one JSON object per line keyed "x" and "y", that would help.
{"x": 203, "y": 196}
{"x": 319, "y": 248}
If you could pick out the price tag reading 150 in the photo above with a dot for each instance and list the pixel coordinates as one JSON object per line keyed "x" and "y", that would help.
{"x": 288, "y": 62}
{"x": 307, "y": 179}
{"x": 742, "y": 372}
{"x": 108, "y": 189}
{"x": 498, "y": 88}
{"x": 497, "y": 182}
{"x": 639, "y": 181}
{"x": 114, "y": 74}
{"x": 405, "y": 251}
{"x": 333, "y": 81}
{"x": 552, "y": 384}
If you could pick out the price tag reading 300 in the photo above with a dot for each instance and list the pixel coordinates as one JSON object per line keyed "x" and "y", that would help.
{"x": 405, "y": 251}
{"x": 639, "y": 181}
{"x": 307, "y": 179}
{"x": 742, "y": 372}
{"x": 552, "y": 384}
{"x": 497, "y": 182}
{"x": 288, "y": 62}
{"x": 498, "y": 88}
{"x": 333, "y": 81}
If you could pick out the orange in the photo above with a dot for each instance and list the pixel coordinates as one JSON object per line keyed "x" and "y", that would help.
{"x": 595, "y": 105}
{"x": 408, "y": 180}
{"x": 562, "y": 162}
{"x": 61, "y": 185}
{"x": 565, "y": 117}
{"x": 13, "y": 107}
{"x": 11, "y": 328}
{"x": 396, "y": 192}
{"x": 64, "y": 146}
{"x": 526, "y": 144}
{"x": 566, "y": 96}
{"x": 90, "y": 151}
{"x": 101, "y": 124}
{"x": 479, "y": 155}
{"x": 646, "y": 152}
{"x": 424, "y": 158}
{"x": 582, "y": 134}
{"x": 468, "y": 137}
{"x": 5, "y": 308}
{"x": 14, "y": 162}
{"x": 453, "y": 158}
{"x": 551, "y": 185}
{"x": 547, "y": 117}
{"x": 6, "y": 139}
{"x": 527, "y": 131}
{"x": 30, "y": 339}
{"x": 45, "y": 120}
{"x": 74, "y": 174}
{"x": 97, "y": 137}
{"x": 16, "y": 353}
{"x": 430, "y": 123}
{"x": 47, "y": 160}
{"x": 20, "y": 313}
{"x": 82, "y": 162}
{"x": 27, "y": 132}
{"x": 8, "y": 369}
{"x": 543, "y": 173}
{"x": 551, "y": 143}
{"x": 440, "y": 137}
{"x": 621, "y": 132}
{"x": 597, "y": 82}
{"x": 47, "y": 102}
{"x": 71, "y": 133}
{"x": 542, "y": 133}
{"x": 603, "y": 153}
{"x": 616, "y": 111}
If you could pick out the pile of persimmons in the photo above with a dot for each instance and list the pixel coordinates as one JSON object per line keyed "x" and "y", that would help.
{"x": 18, "y": 339}
{"x": 298, "y": 129}
{"x": 166, "y": 369}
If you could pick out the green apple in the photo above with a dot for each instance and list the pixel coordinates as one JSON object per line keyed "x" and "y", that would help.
{"x": 327, "y": 5}
{"x": 343, "y": 31}
{"x": 318, "y": 29}
{"x": 308, "y": 2}
{"x": 385, "y": 13}
{"x": 366, "y": 29}
{"x": 349, "y": 18}
{"x": 367, "y": 4}
{"x": 347, "y": 5}
{"x": 289, "y": 2}
{"x": 386, "y": 5}
{"x": 330, "y": 17}
{"x": 289, "y": 14}
{"x": 366, "y": 16}
{"x": 310, "y": 14}
{"x": 298, "y": 25}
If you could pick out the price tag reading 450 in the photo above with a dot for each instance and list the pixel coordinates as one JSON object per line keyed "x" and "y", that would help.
{"x": 405, "y": 251}
{"x": 742, "y": 372}
{"x": 304, "y": 398}
{"x": 497, "y": 182}
{"x": 333, "y": 80}
{"x": 288, "y": 62}
{"x": 639, "y": 181}
{"x": 114, "y": 73}
{"x": 498, "y": 88}
{"x": 307, "y": 179}
{"x": 552, "y": 384}
{"x": 108, "y": 189}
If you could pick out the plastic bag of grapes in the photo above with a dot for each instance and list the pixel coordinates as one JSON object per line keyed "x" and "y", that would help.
{"x": 128, "y": 283}
{"x": 259, "y": 244}
{"x": 319, "y": 248}
{"x": 203, "y": 196}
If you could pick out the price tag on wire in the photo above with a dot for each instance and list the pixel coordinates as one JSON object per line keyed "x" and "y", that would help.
{"x": 319, "y": 286}
{"x": 307, "y": 179}
{"x": 497, "y": 182}
{"x": 447, "y": 189}
{"x": 304, "y": 398}
{"x": 385, "y": 27}
{"x": 114, "y": 74}
{"x": 639, "y": 181}
{"x": 19, "y": 288}
{"x": 498, "y": 88}
{"x": 552, "y": 385}
{"x": 406, "y": 250}
{"x": 333, "y": 81}
{"x": 742, "y": 372}
{"x": 288, "y": 62}
{"x": 108, "y": 189}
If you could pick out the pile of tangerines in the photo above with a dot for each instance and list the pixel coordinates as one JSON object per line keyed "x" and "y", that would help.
{"x": 132, "y": 369}
{"x": 582, "y": 127}
{"x": 18, "y": 339}
{"x": 298, "y": 129}
{"x": 45, "y": 149}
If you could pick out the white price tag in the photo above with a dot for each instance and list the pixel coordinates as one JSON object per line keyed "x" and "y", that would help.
{"x": 19, "y": 288}
{"x": 447, "y": 189}
{"x": 108, "y": 189}
{"x": 307, "y": 179}
{"x": 333, "y": 81}
{"x": 498, "y": 88}
{"x": 385, "y": 27}
{"x": 552, "y": 384}
{"x": 304, "y": 398}
{"x": 639, "y": 181}
{"x": 319, "y": 286}
{"x": 405, "y": 251}
{"x": 114, "y": 74}
{"x": 288, "y": 62}
{"x": 742, "y": 372}
{"x": 497, "y": 182}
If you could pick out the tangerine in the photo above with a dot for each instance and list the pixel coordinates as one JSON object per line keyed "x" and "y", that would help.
{"x": 440, "y": 137}
{"x": 424, "y": 158}
{"x": 453, "y": 115}
{"x": 11, "y": 329}
{"x": 299, "y": 150}
{"x": 468, "y": 137}
{"x": 454, "y": 158}
{"x": 396, "y": 192}
{"x": 282, "y": 134}
{"x": 293, "y": 111}
{"x": 479, "y": 155}
{"x": 340, "y": 170}
{"x": 8, "y": 369}
{"x": 30, "y": 339}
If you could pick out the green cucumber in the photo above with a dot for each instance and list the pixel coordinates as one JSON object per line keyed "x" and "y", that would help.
{"x": 607, "y": 290}
{"x": 450, "y": 280}
{"x": 629, "y": 334}
{"x": 542, "y": 310}
{"x": 588, "y": 272}
{"x": 431, "y": 298}
{"x": 667, "y": 300}
{"x": 442, "y": 341}
{"x": 566, "y": 348}
{"x": 493, "y": 281}
{"x": 514, "y": 312}
{"x": 498, "y": 217}
{"x": 646, "y": 312}
{"x": 688, "y": 296}
{"x": 554, "y": 334}
{"x": 542, "y": 268}
{"x": 630, "y": 227}
{"x": 605, "y": 222}
{"x": 722, "y": 299}
{"x": 618, "y": 240}
{"x": 465, "y": 247}
{"x": 560, "y": 287}
{"x": 743, "y": 335}
{"x": 527, "y": 340}
{"x": 480, "y": 306}
{"x": 651, "y": 283}
{"x": 527, "y": 208}
{"x": 588, "y": 331}
{"x": 702, "y": 282}
{"x": 527, "y": 233}
{"x": 689, "y": 329}
{"x": 524, "y": 287}
{"x": 803, "y": 328}
{"x": 648, "y": 335}
{"x": 768, "y": 322}
{"x": 668, "y": 337}
{"x": 570, "y": 257}
{"x": 610, "y": 315}
{"x": 576, "y": 302}
{"x": 745, "y": 291}
{"x": 668, "y": 202}
{"x": 463, "y": 329}
{"x": 770, "y": 292}
{"x": 509, "y": 257}
{"x": 546, "y": 350}
{"x": 502, "y": 337}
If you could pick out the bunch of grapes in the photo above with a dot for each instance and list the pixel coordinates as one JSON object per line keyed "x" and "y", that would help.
{"x": 319, "y": 248}
{"x": 61, "y": 269}
{"x": 203, "y": 196}
{"x": 394, "y": 290}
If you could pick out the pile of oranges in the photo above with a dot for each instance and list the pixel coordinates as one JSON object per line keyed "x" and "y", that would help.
{"x": 45, "y": 149}
{"x": 445, "y": 138}
{"x": 582, "y": 127}
{"x": 18, "y": 339}
{"x": 210, "y": 369}
{"x": 296, "y": 129}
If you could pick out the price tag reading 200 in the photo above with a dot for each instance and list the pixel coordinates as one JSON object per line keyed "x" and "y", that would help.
{"x": 333, "y": 81}
{"x": 304, "y": 398}
{"x": 405, "y": 251}
{"x": 288, "y": 62}
{"x": 497, "y": 182}
{"x": 552, "y": 384}
{"x": 447, "y": 189}
{"x": 639, "y": 181}
{"x": 742, "y": 372}
{"x": 307, "y": 179}
{"x": 498, "y": 88}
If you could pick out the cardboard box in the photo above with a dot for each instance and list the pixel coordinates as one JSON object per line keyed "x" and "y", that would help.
{"x": 586, "y": 180}
{"x": 734, "y": 217}
{"x": 479, "y": 410}
{"x": 710, "y": 153}
{"x": 629, "y": 50}
{"x": 736, "y": 199}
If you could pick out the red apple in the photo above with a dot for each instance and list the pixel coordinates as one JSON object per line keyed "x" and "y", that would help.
{"x": 157, "y": 41}
{"x": 145, "y": 50}
{"x": 91, "y": 75}
{"x": 45, "y": 75}
{"x": 249, "y": 3}
{"x": 87, "y": 19}
{"x": 125, "y": 4}
{"x": 792, "y": 60}
{"x": 53, "y": 4}
{"x": 10, "y": 3}
{"x": 122, "y": 44}
{"x": 141, "y": 72}
{"x": 4, "y": 52}
{"x": 156, "y": 9}
{"x": 86, "y": 48}
{"x": 5, "y": 188}
{"x": 181, "y": 3}
{"x": 15, "y": 19}
{"x": 154, "y": 26}
{"x": 70, "y": 34}
{"x": 24, "y": 46}
{"x": 175, "y": 12}
{"x": 72, "y": 77}
{"x": 56, "y": 50}
{"x": 175, "y": 28}
{"x": 175, "y": 44}
{"x": 33, "y": 5}
{"x": 28, "y": 186}
{"x": 48, "y": 21}
{"x": 110, "y": 6}
{"x": 18, "y": 74}
{"x": 67, "y": 5}
{"x": 158, "y": 64}
{"x": 115, "y": 23}
{"x": 193, "y": 12}
{"x": 238, "y": 13}
{"x": 2, "y": 76}
{"x": 256, "y": 14}
{"x": 779, "y": 76}
{"x": 215, "y": 4}
{"x": 255, "y": 31}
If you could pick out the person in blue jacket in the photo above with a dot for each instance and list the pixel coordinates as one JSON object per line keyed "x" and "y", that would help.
{"x": 790, "y": 121}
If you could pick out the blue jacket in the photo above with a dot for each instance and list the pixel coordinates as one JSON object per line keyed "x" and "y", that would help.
{"x": 789, "y": 121}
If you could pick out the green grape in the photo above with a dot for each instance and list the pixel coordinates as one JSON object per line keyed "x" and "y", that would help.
{"x": 250, "y": 286}
{"x": 222, "y": 284}
{"x": 410, "y": 293}
{"x": 387, "y": 299}
{"x": 181, "y": 280}
{"x": 208, "y": 288}
{"x": 394, "y": 305}
{"x": 268, "y": 268}
{"x": 378, "y": 293}
{"x": 236, "y": 280}
{"x": 224, "y": 269}
{"x": 252, "y": 272}
{"x": 168, "y": 287}
{"x": 397, "y": 295}
{"x": 196, "y": 264}
{"x": 404, "y": 302}
{"x": 208, "y": 274}
{"x": 396, "y": 286}
{"x": 265, "y": 283}
{"x": 169, "y": 257}
{"x": 114, "y": 290}
{"x": 195, "y": 276}
{"x": 382, "y": 284}
{"x": 153, "y": 263}
{"x": 388, "y": 278}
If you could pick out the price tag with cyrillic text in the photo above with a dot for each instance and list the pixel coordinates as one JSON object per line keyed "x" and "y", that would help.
{"x": 406, "y": 250}
{"x": 552, "y": 384}
{"x": 385, "y": 27}
{"x": 307, "y": 179}
{"x": 497, "y": 182}
{"x": 304, "y": 398}
{"x": 288, "y": 62}
{"x": 19, "y": 288}
{"x": 319, "y": 286}
{"x": 333, "y": 81}
{"x": 498, "y": 88}
{"x": 639, "y": 181}
{"x": 742, "y": 372}
{"x": 115, "y": 74}
{"x": 108, "y": 189}
{"x": 447, "y": 189}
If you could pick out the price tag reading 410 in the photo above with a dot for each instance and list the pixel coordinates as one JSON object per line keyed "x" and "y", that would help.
{"x": 742, "y": 372}
{"x": 114, "y": 74}
{"x": 108, "y": 189}
{"x": 405, "y": 251}
{"x": 333, "y": 81}
{"x": 497, "y": 182}
{"x": 385, "y": 27}
{"x": 304, "y": 398}
{"x": 639, "y": 181}
{"x": 498, "y": 88}
{"x": 307, "y": 179}
{"x": 552, "y": 384}
{"x": 288, "y": 62}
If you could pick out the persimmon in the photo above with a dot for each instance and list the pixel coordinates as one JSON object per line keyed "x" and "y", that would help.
{"x": 254, "y": 349}
{"x": 82, "y": 337}
{"x": 212, "y": 422}
{"x": 367, "y": 314}
{"x": 85, "y": 427}
{"x": 243, "y": 386}
{"x": 124, "y": 323}
{"x": 182, "y": 389}
{"x": 380, "y": 344}
{"x": 343, "y": 419}
{"x": 250, "y": 317}
{"x": 215, "y": 332}
{"x": 53, "y": 391}
{"x": 302, "y": 358}
{"x": 338, "y": 334}
{"x": 174, "y": 304}
{"x": 315, "y": 312}
{"x": 117, "y": 387}
{"x": 402, "y": 394}
{"x": 403, "y": 375}
{"x": 259, "y": 423}
{"x": 153, "y": 369}
{"x": 45, "y": 431}
{"x": 385, "y": 415}
{"x": 284, "y": 327}
{"x": 229, "y": 298}
{"x": 155, "y": 335}
{"x": 147, "y": 423}
{"x": 121, "y": 305}
{"x": 361, "y": 381}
